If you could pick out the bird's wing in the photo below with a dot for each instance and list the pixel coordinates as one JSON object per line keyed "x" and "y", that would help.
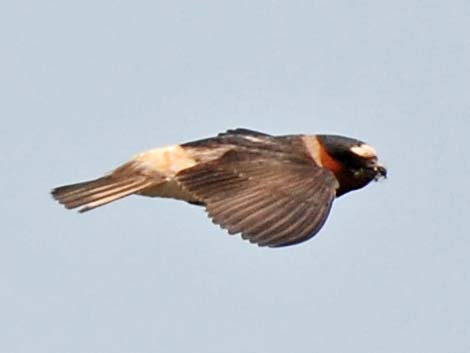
{"x": 243, "y": 131}
{"x": 272, "y": 201}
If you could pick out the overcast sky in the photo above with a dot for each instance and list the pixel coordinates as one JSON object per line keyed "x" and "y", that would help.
{"x": 86, "y": 84}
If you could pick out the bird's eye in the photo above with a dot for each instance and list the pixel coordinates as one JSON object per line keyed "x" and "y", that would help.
{"x": 359, "y": 172}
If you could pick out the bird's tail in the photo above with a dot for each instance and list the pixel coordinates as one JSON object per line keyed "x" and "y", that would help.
{"x": 124, "y": 181}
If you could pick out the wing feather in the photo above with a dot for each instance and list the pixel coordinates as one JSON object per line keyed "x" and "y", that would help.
{"x": 271, "y": 198}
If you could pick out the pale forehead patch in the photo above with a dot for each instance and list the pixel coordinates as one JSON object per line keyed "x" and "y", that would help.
{"x": 364, "y": 151}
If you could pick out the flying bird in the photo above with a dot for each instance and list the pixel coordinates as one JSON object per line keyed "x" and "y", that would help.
{"x": 274, "y": 190}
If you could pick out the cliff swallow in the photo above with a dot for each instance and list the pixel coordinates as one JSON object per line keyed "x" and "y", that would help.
{"x": 274, "y": 190}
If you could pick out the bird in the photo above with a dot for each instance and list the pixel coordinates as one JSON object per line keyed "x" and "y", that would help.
{"x": 275, "y": 191}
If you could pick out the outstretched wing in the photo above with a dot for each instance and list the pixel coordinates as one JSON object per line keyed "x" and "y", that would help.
{"x": 269, "y": 198}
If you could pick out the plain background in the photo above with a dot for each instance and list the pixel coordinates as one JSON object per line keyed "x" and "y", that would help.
{"x": 85, "y": 85}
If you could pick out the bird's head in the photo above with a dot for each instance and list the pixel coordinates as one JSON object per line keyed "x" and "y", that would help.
{"x": 354, "y": 163}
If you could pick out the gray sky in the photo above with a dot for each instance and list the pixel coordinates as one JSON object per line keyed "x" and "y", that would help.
{"x": 85, "y": 85}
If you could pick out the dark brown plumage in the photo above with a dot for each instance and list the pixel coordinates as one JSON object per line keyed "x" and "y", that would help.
{"x": 274, "y": 190}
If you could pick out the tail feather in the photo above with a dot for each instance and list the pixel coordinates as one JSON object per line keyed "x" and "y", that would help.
{"x": 91, "y": 194}
{"x": 101, "y": 200}
{"x": 88, "y": 195}
{"x": 86, "y": 189}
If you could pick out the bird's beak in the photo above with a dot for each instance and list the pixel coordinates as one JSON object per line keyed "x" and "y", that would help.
{"x": 380, "y": 171}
